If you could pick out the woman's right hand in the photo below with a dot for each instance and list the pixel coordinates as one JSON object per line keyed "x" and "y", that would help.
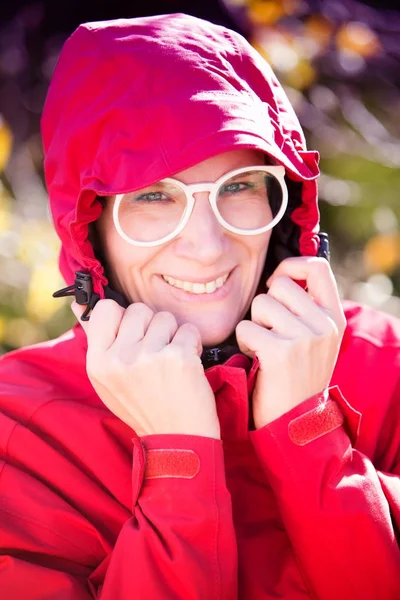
{"x": 148, "y": 371}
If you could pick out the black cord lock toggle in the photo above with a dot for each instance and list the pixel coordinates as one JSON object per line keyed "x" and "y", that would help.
{"x": 323, "y": 250}
{"x": 82, "y": 289}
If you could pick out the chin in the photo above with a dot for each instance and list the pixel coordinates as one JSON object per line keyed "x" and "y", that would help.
{"x": 214, "y": 337}
{"x": 214, "y": 328}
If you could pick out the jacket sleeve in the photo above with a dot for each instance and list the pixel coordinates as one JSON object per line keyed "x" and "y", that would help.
{"x": 341, "y": 514}
{"x": 178, "y": 544}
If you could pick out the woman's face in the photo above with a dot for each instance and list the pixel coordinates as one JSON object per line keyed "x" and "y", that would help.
{"x": 202, "y": 253}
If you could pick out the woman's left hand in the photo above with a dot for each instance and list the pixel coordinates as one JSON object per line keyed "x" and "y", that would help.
{"x": 295, "y": 335}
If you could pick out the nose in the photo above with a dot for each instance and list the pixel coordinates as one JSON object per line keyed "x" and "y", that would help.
{"x": 203, "y": 238}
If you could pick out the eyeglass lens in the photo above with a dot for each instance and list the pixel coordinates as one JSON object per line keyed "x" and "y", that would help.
{"x": 247, "y": 201}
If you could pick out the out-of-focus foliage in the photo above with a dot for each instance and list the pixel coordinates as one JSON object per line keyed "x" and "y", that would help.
{"x": 340, "y": 67}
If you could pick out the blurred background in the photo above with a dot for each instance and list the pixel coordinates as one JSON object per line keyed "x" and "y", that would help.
{"x": 340, "y": 65}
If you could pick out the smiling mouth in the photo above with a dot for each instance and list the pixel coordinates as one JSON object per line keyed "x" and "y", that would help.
{"x": 197, "y": 288}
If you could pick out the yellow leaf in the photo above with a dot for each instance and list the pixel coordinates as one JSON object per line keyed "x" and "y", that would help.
{"x": 265, "y": 12}
{"x": 21, "y": 332}
{"x": 382, "y": 253}
{"x": 5, "y": 143}
{"x": 319, "y": 29}
{"x": 40, "y": 305}
{"x": 359, "y": 38}
{"x": 302, "y": 76}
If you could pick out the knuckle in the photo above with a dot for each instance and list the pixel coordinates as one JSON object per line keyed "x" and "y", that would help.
{"x": 321, "y": 265}
{"x": 288, "y": 348}
{"x": 105, "y": 311}
{"x": 190, "y": 329}
{"x": 113, "y": 366}
{"x": 187, "y": 326}
{"x": 279, "y": 282}
{"x": 166, "y": 317}
{"x": 342, "y": 324}
{"x": 309, "y": 338}
{"x": 107, "y": 305}
{"x": 333, "y": 329}
{"x": 90, "y": 369}
{"x": 139, "y": 309}
{"x": 94, "y": 369}
{"x": 143, "y": 360}
{"x": 240, "y": 327}
{"x": 259, "y": 303}
{"x": 173, "y": 355}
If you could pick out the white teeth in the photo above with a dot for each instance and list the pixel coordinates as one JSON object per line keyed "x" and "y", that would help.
{"x": 211, "y": 286}
{"x": 197, "y": 288}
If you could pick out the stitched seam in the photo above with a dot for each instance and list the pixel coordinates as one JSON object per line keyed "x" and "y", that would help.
{"x": 55, "y": 533}
{"x": 232, "y": 40}
{"x": 170, "y": 477}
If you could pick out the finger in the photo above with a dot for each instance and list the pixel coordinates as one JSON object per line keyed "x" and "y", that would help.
{"x": 253, "y": 339}
{"x": 271, "y": 313}
{"x": 298, "y": 302}
{"x": 103, "y": 326}
{"x": 160, "y": 331}
{"x": 133, "y": 327}
{"x": 321, "y": 283}
{"x": 78, "y": 311}
{"x": 101, "y": 311}
{"x": 189, "y": 338}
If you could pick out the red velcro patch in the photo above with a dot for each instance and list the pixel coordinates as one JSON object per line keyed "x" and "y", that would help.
{"x": 315, "y": 423}
{"x": 171, "y": 463}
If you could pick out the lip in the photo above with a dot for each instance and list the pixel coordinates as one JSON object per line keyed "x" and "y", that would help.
{"x": 183, "y": 296}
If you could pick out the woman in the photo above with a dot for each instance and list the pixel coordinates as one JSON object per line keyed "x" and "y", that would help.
{"x": 210, "y": 428}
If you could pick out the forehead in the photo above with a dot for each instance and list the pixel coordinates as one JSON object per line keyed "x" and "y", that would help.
{"x": 216, "y": 166}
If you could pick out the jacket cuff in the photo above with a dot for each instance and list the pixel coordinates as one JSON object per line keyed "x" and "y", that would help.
{"x": 307, "y": 436}
{"x": 173, "y": 460}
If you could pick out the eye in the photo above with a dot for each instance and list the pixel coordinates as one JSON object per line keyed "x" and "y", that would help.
{"x": 235, "y": 186}
{"x": 151, "y": 197}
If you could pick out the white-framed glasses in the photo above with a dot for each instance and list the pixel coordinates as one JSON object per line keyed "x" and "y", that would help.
{"x": 246, "y": 201}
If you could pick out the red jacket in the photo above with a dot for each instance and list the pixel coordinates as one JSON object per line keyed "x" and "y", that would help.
{"x": 306, "y": 507}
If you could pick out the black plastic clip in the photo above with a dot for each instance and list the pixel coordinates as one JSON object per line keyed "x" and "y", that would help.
{"x": 323, "y": 250}
{"x": 82, "y": 289}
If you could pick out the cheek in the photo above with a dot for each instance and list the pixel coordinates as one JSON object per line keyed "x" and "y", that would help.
{"x": 124, "y": 261}
{"x": 258, "y": 247}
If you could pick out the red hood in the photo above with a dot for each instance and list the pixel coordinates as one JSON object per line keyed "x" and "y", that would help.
{"x": 135, "y": 100}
